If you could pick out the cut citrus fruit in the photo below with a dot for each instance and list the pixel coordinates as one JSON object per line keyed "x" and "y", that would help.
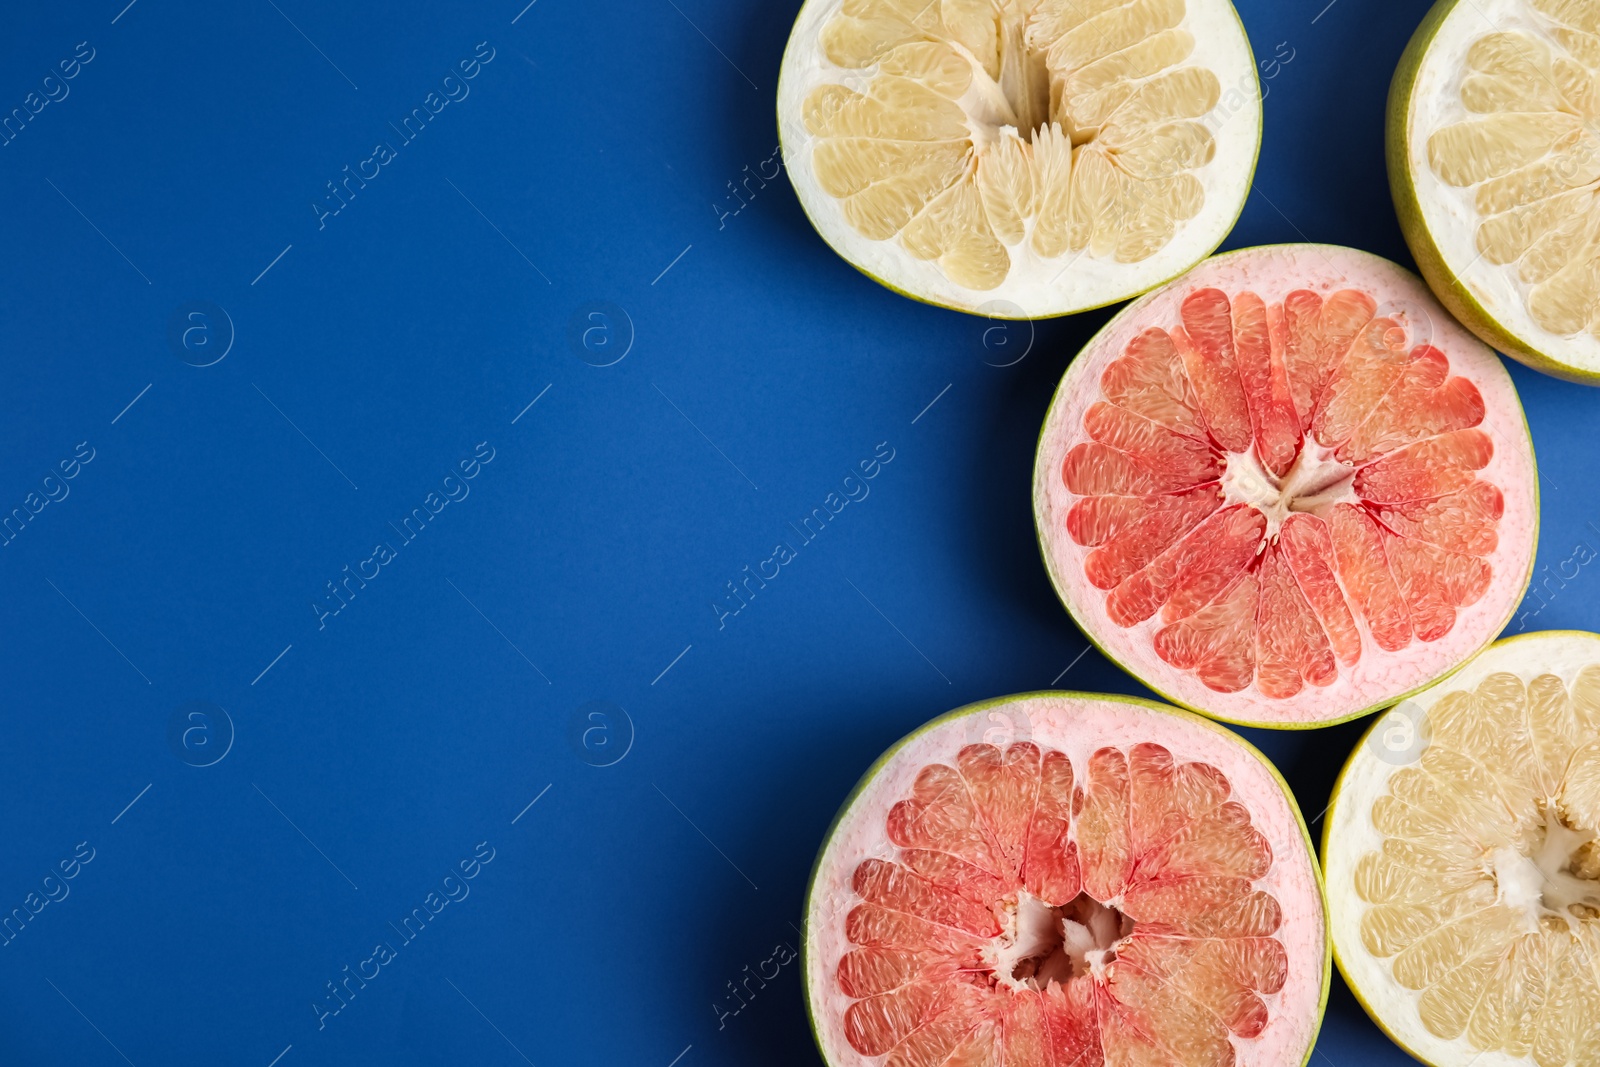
{"x": 1494, "y": 161}
{"x": 1463, "y": 863}
{"x": 1067, "y": 880}
{"x": 1287, "y": 489}
{"x": 1026, "y": 158}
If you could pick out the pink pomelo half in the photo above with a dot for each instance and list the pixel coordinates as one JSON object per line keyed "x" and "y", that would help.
{"x": 1067, "y": 880}
{"x": 1287, "y": 489}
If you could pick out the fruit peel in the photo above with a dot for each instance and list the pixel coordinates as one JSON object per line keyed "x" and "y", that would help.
{"x": 1208, "y": 704}
{"x": 819, "y": 209}
{"x": 811, "y": 932}
{"x": 1447, "y": 286}
{"x": 1336, "y": 832}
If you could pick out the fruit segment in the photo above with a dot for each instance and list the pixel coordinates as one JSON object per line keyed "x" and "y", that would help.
{"x": 1292, "y": 647}
{"x": 1287, "y": 484}
{"x": 1529, "y": 152}
{"x": 980, "y": 129}
{"x": 1101, "y": 914}
{"x": 1483, "y": 895}
{"x": 1206, "y": 343}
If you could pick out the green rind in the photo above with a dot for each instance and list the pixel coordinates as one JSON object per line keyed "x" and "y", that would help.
{"x": 1039, "y": 520}
{"x": 1327, "y": 824}
{"x": 1255, "y": 158}
{"x": 1115, "y": 698}
{"x": 1446, "y": 286}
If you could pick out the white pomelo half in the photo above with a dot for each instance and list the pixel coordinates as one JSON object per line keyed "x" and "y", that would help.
{"x": 1463, "y": 875}
{"x": 1060, "y": 879}
{"x": 1494, "y": 162}
{"x": 1024, "y": 158}
{"x": 1287, "y": 489}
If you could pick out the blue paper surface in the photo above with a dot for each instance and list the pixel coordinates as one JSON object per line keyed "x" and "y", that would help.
{"x": 540, "y": 353}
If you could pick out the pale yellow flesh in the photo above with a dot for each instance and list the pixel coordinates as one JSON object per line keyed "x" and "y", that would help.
{"x": 1068, "y": 127}
{"x": 1530, "y": 149}
{"x": 1484, "y": 896}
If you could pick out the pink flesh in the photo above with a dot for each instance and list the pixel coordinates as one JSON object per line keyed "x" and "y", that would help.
{"x": 1159, "y": 840}
{"x": 1240, "y": 380}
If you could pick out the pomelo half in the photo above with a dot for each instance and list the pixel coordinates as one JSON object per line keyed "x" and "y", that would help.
{"x": 1025, "y": 158}
{"x": 1494, "y": 162}
{"x": 1287, "y": 489}
{"x": 1463, "y": 869}
{"x": 1067, "y": 880}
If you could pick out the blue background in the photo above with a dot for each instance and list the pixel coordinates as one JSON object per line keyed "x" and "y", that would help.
{"x": 373, "y": 349}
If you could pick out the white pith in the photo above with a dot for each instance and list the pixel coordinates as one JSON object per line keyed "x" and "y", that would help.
{"x": 1377, "y": 678}
{"x": 1538, "y": 883}
{"x": 1033, "y": 931}
{"x": 1449, "y": 213}
{"x": 991, "y": 111}
{"x": 1051, "y": 946}
{"x": 1076, "y": 725}
{"x": 1531, "y": 880}
{"x": 1315, "y": 483}
{"x": 1036, "y": 286}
